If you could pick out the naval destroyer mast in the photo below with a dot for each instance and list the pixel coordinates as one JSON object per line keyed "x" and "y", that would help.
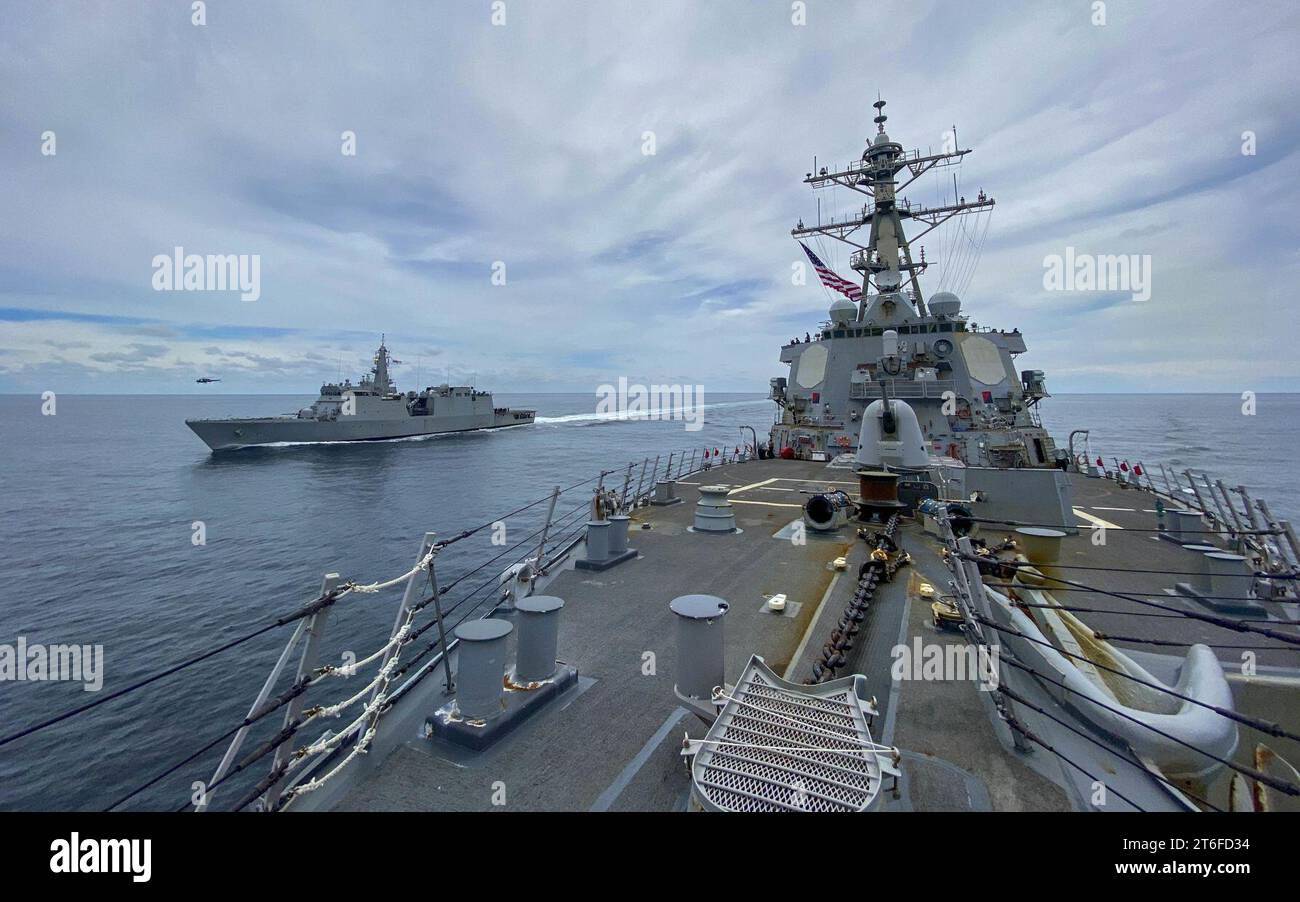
{"x": 895, "y": 342}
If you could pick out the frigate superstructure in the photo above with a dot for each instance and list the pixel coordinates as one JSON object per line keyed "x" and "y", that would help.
{"x": 372, "y": 410}
{"x": 961, "y": 380}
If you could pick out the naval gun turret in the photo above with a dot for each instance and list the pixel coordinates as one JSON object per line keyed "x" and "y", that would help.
{"x": 891, "y": 434}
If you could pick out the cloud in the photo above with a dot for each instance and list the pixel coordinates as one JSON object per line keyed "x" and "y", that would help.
{"x": 522, "y": 145}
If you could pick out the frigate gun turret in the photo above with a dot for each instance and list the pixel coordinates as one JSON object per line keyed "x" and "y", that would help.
{"x": 970, "y": 402}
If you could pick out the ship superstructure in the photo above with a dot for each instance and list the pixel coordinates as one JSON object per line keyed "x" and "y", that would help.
{"x": 961, "y": 380}
{"x": 372, "y": 410}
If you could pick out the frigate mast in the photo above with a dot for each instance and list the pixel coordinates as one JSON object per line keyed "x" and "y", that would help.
{"x": 888, "y": 253}
{"x": 380, "y": 382}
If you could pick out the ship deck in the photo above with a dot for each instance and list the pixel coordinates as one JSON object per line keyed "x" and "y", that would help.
{"x": 612, "y": 742}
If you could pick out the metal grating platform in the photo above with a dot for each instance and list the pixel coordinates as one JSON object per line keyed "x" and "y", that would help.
{"x": 779, "y": 746}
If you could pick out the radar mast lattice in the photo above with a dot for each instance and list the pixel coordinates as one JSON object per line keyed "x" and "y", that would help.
{"x": 887, "y": 254}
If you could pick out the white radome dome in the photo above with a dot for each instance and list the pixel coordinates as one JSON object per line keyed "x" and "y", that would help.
{"x": 945, "y": 303}
{"x": 843, "y": 310}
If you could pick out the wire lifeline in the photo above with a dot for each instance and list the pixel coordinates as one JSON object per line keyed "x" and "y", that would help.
{"x": 268, "y": 707}
{"x": 1263, "y": 726}
{"x": 1189, "y": 532}
{"x": 1082, "y": 610}
{"x": 306, "y": 610}
{"x": 1259, "y": 776}
{"x": 1235, "y": 625}
{"x": 1033, "y": 737}
{"x": 469, "y": 532}
{"x": 1138, "y": 592}
{"x": 1020, "y": 699}
{"x": 385, "y": 676}
{"x": 1140, "y": 570}
{"x": 189, "y": 662}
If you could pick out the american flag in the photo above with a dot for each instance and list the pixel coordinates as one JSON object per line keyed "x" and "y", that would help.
{"x": 850, "y": 290}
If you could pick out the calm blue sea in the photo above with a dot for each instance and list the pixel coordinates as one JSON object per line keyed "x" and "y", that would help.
{"x": 97, "y": 505}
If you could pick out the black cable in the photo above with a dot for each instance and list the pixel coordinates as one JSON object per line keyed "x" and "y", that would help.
{"x": 268, "y": 707}
{"x": 1264, "y": 726}
{"x": 1259, "y": 776}
{"x": 1141, "y": 592}
{"x": 1082, "y": 610}
{"x": 256, "y": 755}
{"x": 311, "y": 607}
{"x": 1139, "y": 570}
{"x": 1170, "y": 643}
{"x": 1186, "y": 532}
{"x": 469, "y": 532}
{"x": 171, "y": 770}
{"x": 537, "y": 532}
{"x": 1030, "y": 735}
{"x": 1215, "y": 620}
{"x": 1020, "y": 699}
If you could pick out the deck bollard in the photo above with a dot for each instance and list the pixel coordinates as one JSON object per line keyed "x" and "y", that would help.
{"x": 539, "y": 636}
{"x": 713, "y": 512}
{"x": 618, "y": 526}
{"x": 699, "y": 645}
{"x": 482, "y": 667}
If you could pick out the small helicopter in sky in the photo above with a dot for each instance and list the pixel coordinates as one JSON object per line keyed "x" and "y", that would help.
{"x": 204, "y": 380}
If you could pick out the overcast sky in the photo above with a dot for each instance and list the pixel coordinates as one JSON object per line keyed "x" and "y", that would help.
{"x": 523, "y": 143}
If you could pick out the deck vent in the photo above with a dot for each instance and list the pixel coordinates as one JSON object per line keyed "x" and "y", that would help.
{"x": 779, "y": 746}
{"x": 1186, "y": 527}
{"x": 713, "y": 512}
{"x": 1224, "y": 572}
{"x": 665, "y": 493}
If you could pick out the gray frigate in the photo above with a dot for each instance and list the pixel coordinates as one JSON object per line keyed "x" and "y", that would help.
{"x": 373, "y": 410}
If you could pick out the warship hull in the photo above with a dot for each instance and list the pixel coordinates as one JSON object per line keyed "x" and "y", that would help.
{"x": 233, "y": 434}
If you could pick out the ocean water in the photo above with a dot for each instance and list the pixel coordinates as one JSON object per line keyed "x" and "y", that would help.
{"x": 97, "y": 506}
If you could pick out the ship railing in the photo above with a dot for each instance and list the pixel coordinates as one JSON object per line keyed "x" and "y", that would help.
{"x": 1240, "y": 522}
{"x": 426, "y": 609}
{"x": 973, "y": 600}
{"x": 903, "y": 389}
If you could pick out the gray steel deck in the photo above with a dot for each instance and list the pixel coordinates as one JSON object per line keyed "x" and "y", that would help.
{"x": 612, "y": 743}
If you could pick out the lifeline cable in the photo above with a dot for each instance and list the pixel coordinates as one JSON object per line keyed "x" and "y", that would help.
{"x": 1212, "y": 619}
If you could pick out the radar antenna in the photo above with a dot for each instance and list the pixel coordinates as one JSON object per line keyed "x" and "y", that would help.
{"x": 887, "y": 252}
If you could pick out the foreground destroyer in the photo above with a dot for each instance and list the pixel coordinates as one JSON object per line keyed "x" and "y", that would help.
{"x": 783, "y": 628}
{"x": 373, "y": 410}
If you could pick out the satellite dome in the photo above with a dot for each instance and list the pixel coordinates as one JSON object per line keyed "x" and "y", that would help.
{"x": 843, "y": 310}
{"x": 945, "y": 303}
{"x": 882, "y": 138}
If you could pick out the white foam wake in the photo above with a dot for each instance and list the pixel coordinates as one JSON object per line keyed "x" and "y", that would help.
{"x": 662, "y": 413}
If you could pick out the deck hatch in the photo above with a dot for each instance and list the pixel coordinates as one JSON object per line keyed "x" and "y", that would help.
{"x": 779, "y": 746}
